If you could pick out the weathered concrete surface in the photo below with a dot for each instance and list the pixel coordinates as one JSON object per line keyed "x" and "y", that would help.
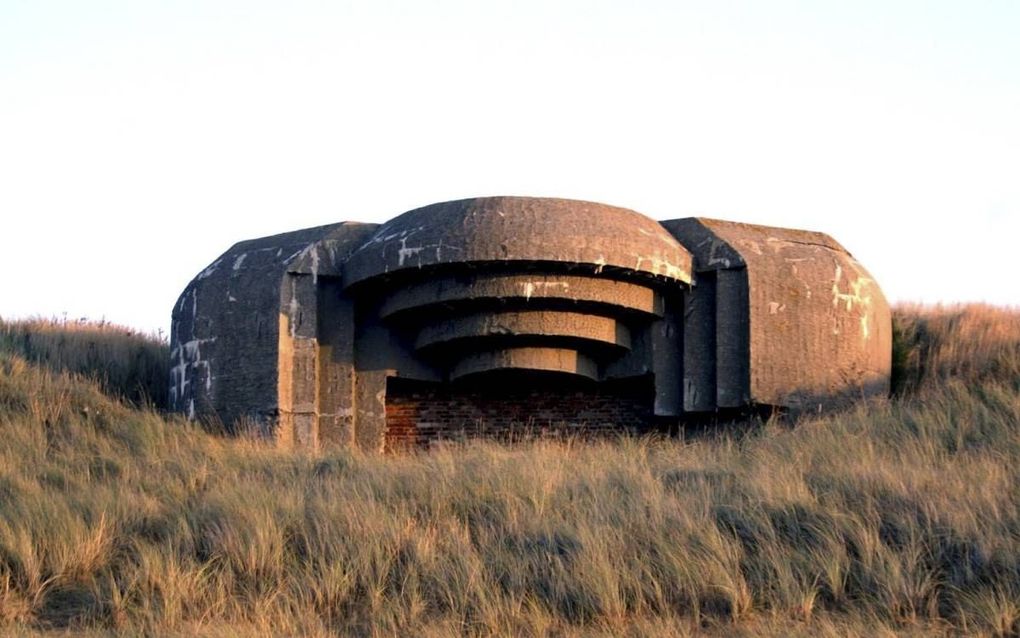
{"x": 505, "y": 230}
{"x": 575, "y": 292}
{"x": 545, "y": 324}
{"x": 810, "y": 328}
{"x": 732, "y": 365}
{"x": 336, "y": 376}
{"x": 370, "y": 409}
{"x": 225, "y": 330}
{"x": 530, "y": 359}
{"x": 665, "y": 339}
{"x": 298, "y": 363}
{"x": 300, "y": 335}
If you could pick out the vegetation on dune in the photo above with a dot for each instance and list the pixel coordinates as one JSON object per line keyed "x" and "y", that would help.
{"x": 898, "y": 518}
{"x": 972, "y": 343}
{"x": 129, "y": 364}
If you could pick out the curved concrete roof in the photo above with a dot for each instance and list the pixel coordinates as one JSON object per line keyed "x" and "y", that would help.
{"x": 531, "y": 323}
{"x": 520, "y": 229}
{"x": 530, "y": 358}
{"x": 534, "y": 290}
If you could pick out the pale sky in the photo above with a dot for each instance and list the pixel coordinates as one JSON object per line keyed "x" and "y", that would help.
{"x": 139, "y": 140}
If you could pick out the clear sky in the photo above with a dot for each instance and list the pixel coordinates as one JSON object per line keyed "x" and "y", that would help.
{"x": 138, "y": 140}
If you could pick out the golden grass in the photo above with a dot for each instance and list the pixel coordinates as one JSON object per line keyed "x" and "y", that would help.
{"x": 127, "y": 363}
{"x": 975, "y": 342}
{"x": 889, "y": 519}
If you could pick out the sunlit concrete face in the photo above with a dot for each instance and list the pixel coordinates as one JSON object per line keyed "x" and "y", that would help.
{"x": 304, "y": 336}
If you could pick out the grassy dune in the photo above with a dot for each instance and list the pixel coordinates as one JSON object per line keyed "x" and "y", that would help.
{"x": 898, "y": 518}
{"x": 126, "y": 363}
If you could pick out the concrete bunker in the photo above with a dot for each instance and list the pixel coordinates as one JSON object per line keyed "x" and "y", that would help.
{"x": 477, "y": 316}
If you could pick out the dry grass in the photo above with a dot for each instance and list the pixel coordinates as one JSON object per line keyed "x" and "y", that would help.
{"x": 974, "y": 342}
{"x": 891, "y": 519}
{"x": 127, "y": 363}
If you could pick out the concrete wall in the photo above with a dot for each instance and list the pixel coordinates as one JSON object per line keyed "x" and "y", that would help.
{"x": 224, "y": 335}
{"x": 780, "y": 317}
{"x": 304, "y": 335}
{"x": 233, "y": 321}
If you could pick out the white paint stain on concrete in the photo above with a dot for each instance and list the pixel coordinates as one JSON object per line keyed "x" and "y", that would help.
{"x": 858, "y": 294}
{"x": 753, "y": 246}
{"x": 530, "y": 287}
{"x": 208, "y": 272}
{"x": 404, "y": 234}
{"x": 184, "y": 297}
{"x": 188, "y": 362}
{"x": 404, "y": 252}
{"x": 315, "y": 264}
{"x": 293, "y": 307}
{"x": 662, "y": 267}
{"x": 310, "y": 252}
{"x": 713, "y": 258}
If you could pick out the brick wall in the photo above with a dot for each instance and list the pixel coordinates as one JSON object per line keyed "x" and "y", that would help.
{"x": 419, "y": 413}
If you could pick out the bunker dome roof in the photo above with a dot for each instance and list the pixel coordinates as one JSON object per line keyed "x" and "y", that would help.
{"x": 718, "y": 244}
{"x": 520, "y": 229}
